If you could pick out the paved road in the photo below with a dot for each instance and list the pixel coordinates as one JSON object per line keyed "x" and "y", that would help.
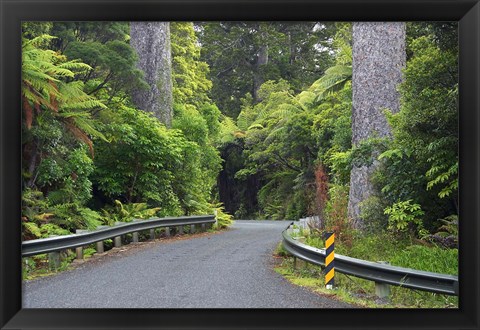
{"x": 233, "y": 269}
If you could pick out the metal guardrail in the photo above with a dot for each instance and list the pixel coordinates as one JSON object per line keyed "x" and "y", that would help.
{"x": 58, "y": 243}
{"x": 379, "y": 273}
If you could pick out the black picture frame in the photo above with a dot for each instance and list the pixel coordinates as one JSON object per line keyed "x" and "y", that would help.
{"x": 466, "y": 12}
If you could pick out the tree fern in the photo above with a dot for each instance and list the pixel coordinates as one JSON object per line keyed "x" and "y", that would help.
{"x": 332, "y": 81}
{"x": 45, "y": 88}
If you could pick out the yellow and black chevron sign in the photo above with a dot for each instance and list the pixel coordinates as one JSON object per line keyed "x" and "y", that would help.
{"x": 329, "y": 260}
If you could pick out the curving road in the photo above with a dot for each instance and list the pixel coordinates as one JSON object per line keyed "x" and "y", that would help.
{"x": 232, "y": 269}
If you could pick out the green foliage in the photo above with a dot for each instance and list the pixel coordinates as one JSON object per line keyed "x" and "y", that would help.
{"x": 56, "y": 122}
{"x": 366, "y": 152}
{"x": 341, "y": 165}
{"x": 421, "y": 163}
{"x": 339, "y": 75}
{"x": 286, "y": 136}
{"x": 297, "y": 52}
{"x": 88, "y": 252}
{"x": 104, "y": 47}
{"x": 404, "y": 215}
{"x": 191, "y": 122}
{"x": 72, "y": 217}
{"x": 66, "y": 173}
{"x": 51, "y": 229}
{"x": 442, "y": 173}
{"x": 214, "y": 119}
{"x": 140, "y": 162}
{"x": 223, "y": 219}
{"x": 433, "y": 80}
{"x": 449, "y": 226}
{"x": 372, "y": 212}
{"x": 278, "y": 146}
{"x": 47, "y": 85}
{"x": 332, "y": 81}
{"x": 190, "y": 75}
{"x": 41, "y": 218}
{"x": 120, "y": 212}
{"x": 201, "y": 164}
{"x": 431, "y": 259}
{"x": 76, "y": 84}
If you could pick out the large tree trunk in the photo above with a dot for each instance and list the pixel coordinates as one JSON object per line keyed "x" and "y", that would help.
{"x": 258, "y": 74}
{"x": 378, "y": 58}
{"x": 151, "y": 40}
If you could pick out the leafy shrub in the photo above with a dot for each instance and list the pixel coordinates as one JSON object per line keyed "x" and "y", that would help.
{"x": 41, "y": 218}
{"x": 140, "y": 161}
{"x": 403, "y": 216}
{"x": 127, "y": 212}
{"x": 73, "y": 216}
{"x": 223, "y": 219}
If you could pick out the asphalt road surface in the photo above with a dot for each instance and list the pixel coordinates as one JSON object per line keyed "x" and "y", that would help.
{"x": 232, "y": 269}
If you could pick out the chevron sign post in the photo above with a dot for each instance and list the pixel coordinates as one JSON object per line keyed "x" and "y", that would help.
{"x": 329, "y": 260}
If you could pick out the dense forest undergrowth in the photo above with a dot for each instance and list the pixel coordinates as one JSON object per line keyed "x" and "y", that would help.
{"x": 258, "y": 120}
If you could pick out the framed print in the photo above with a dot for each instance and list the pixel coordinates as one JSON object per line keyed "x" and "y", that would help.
{"x": 13, "y": 314}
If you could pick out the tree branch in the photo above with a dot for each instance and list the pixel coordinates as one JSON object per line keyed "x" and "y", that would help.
{"x": 286, "y": 163}
{"x": 100, "y": 86}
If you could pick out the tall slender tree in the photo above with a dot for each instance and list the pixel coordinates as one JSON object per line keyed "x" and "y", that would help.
{"x": 378, "y": 58}
{"x": 151, "y": 40}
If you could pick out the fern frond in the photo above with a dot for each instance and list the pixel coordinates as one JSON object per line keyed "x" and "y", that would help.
{"x": 256, "y": 126}
{"x": 332, "y": 81}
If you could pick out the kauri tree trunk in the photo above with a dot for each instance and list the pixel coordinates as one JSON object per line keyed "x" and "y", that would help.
{"x": 151, "y": 40}
{"x": 258, "y": 75}
{"x": 378, "y": 59}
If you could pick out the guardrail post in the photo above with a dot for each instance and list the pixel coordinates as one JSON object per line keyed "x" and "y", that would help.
{"x": 329, "y": 260}
{"x": 382, "y": 290}
{"x": 79, "y": 250}
{"x": 180, "y": 230}
{"x": 117, "y": 241}
{"x": 167, "y": 231}
{"x": 135, "y": 233}
{"x": 192, "y": 229}
{"x": 100, "y": 247}
{"x": 152, "y": 234}
{"x": 54, "y": 260}
{"x": 135, "y": 237}
{"x": 204, "y": 227}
